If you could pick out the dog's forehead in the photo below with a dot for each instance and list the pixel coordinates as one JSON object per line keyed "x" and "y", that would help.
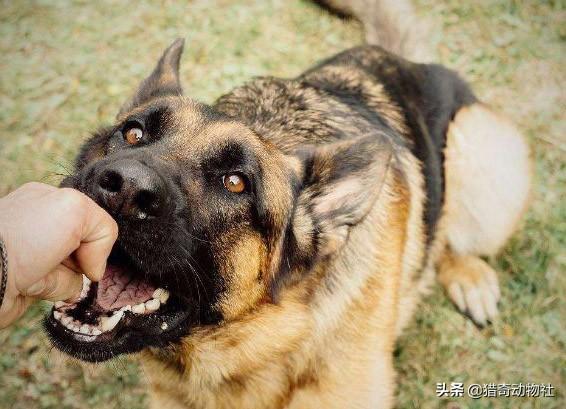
{"x": 193, "y": 128}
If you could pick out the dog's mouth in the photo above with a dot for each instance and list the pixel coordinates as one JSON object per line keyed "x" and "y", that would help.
{"x": 122, "y": 313}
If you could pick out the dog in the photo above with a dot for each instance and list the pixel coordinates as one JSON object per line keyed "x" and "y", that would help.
{"x": 273, "y": 245}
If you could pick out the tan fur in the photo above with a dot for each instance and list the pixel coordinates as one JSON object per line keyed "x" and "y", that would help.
{"x": 244, "y": 254}
{"x": 328, "y": 341}
{"x": 488, "y": 178}
{"x": 471, "y": 284}
{"x": 312, "y": 350}
{"x": 392, "y": 24}
{"x": 324, "y": 337}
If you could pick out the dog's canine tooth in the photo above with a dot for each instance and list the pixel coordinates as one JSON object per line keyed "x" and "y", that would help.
{"x": 164, "y": 296}
{"x": 86, "y": 287}
{"x": 57, "y": 315}
{"x": 161, "y": 294}
{"x": 126, "y": 308}
{"x": 138, "y": 308}
{"x": 108, "y": 323}
{"x": 152, "y": 305}
{"x": 104, "y": 323}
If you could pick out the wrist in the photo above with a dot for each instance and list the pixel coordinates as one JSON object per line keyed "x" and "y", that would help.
{"x": 7, "y": 277}
{"x": 3, "y": 271}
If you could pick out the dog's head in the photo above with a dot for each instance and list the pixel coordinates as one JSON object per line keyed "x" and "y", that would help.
{"x": 213, "y": 219}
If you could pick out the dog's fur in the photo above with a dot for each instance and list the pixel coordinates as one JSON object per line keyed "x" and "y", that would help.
{"x": 374, "y": 173}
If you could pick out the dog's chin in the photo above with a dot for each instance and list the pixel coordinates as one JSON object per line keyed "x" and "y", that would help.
{"x": 120, "y": 314}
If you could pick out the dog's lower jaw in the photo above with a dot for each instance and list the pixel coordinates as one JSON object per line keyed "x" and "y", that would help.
{"x": 332, "y": 348}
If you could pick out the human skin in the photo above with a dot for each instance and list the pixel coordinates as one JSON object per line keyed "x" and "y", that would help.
{"x": 52, "y": 236}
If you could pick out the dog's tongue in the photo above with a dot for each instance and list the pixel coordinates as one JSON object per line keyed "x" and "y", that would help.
{"x": 117, "y": 289}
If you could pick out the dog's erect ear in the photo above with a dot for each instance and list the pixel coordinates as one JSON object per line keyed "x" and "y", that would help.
{"x": 341, "y": 183}
{"x": 163, "y": 81}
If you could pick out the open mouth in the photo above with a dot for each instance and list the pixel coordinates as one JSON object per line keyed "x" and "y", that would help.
{"x": 120, "y": 314}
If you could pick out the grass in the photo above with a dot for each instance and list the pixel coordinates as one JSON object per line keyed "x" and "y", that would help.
{"x": 68, "y": 65}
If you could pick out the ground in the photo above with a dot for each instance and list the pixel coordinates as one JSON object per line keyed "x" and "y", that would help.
{"x": 68, "y": 65}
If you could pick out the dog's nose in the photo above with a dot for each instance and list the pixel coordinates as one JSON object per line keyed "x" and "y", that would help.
{"x": 129, "y": 188}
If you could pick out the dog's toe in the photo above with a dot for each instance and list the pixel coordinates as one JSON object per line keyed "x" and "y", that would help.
{"x": 471, "y": 284}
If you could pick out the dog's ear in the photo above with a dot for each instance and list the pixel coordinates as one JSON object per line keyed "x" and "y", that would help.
{"x": 163, "y": 81}
{"x": 341, "y": 182}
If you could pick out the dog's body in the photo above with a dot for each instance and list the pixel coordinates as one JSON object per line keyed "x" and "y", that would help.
{"x": 328, "y": 341}
{"x": 366, "y": 175}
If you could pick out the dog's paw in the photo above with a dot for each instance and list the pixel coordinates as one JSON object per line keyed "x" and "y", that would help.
{"x": 472, "y": 286}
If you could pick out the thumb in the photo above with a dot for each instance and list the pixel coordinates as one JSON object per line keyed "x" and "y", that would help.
{"x": 62, "y": 283}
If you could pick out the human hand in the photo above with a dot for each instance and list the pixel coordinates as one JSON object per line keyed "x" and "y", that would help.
{"x": 51, "y": 236}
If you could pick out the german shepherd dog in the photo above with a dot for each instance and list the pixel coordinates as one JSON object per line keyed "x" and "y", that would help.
{"x": 273, "y": 245}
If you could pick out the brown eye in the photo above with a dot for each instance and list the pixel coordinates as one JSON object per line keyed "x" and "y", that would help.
{"x": 133, "y": 136}
{"x": 234, "y": 183}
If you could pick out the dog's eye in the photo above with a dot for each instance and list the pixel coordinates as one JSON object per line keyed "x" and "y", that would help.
{"x": 234, "y": 182}
{"x": 133, "y": 135}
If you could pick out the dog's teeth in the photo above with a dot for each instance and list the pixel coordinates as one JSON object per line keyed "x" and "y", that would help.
{"x": 86, "y": 281}
{"x": 85, "y": 329}
{"x": 164, "y": 296}
{"x": 66, "y": 320}
{"x": 138, "y": 308}
{"x": 126, "y": 308}
{"x": 161, "y": 294}
{"x": 152, "y": 305}
{"x": 108, "y": 323}
{"x": 86, "y": 287}
{"x": 96, "y": 331}
{"x": 76, "y": 328}
{"x": 59, "y": 304}
{"x": 57, "y": 315}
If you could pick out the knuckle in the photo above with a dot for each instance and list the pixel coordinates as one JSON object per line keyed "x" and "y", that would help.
{"x": 32, "y": 186}
{"x": 72, "y": 198}
{"x": 113, "y": 229}
{"x": 74, "y": 208}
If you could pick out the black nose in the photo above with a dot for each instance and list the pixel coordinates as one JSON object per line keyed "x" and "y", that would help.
{"x": 129, "y": 188}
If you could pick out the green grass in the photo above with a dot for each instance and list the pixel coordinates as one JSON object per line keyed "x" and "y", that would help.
{"x": 66, "y": 67}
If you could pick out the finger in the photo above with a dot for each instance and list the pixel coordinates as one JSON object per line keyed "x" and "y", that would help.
{"x": 70, "y": 263}
{"x": 99, "y": 234}
{"x": 62, "y": 214}
{"x": 60, "y": 284}
{"x": 33, "y": 190}
{"x": 14, "y": 311}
